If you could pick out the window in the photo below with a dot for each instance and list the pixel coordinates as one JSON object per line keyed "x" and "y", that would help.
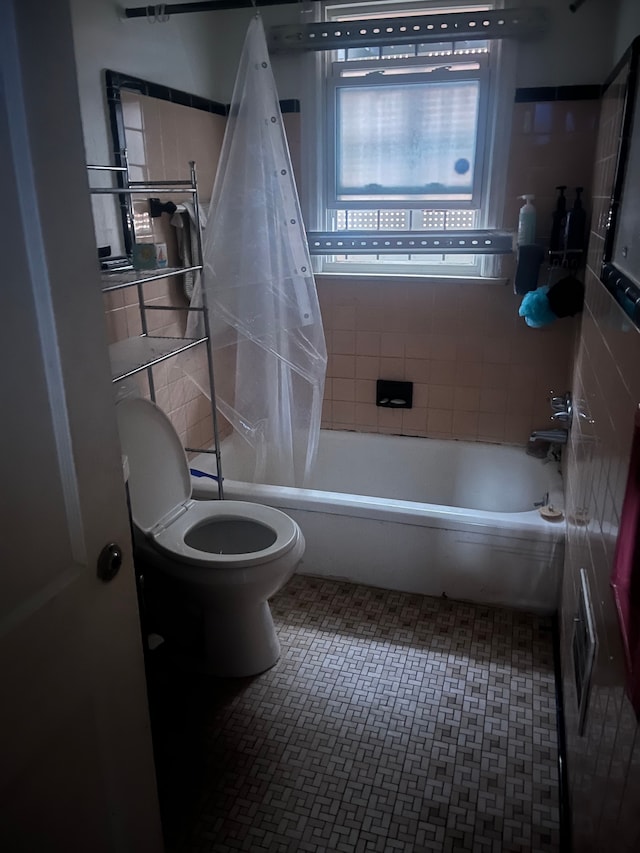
{"x": 407, "y": 141}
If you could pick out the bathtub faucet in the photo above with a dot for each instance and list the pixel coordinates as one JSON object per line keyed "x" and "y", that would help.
{"x": 553, "y": 436}
{"x": 545, "y": 443}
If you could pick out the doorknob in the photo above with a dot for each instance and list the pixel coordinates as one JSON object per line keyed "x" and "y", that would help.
{"x": 109, "y": 562}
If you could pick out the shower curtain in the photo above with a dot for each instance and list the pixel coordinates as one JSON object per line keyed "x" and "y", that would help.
{"x": 269, "y": 348}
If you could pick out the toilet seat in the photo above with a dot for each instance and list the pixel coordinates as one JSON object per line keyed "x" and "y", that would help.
{"x": 160, "y": 494}
{"x": 171, "y": 539}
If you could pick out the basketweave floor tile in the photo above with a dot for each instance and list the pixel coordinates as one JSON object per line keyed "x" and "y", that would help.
{"x": 391, "y": 722}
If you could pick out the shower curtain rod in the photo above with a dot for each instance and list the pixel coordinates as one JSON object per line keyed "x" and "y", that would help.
{"x": 165, "y": 10}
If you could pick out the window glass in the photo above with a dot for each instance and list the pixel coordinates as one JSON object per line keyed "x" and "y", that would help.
{"x": 409, "y": 140}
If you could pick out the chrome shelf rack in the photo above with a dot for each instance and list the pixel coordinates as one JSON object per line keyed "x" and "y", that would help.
{"x": 143, "y": 352}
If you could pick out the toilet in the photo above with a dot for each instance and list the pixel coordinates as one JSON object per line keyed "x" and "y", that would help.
{"x": 231, "y": 555}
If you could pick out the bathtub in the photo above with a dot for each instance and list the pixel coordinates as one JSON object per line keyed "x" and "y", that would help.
{"x": 443, "y": 518}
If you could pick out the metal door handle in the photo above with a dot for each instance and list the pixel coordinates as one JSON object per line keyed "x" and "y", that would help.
{"x": 109, "y": 562}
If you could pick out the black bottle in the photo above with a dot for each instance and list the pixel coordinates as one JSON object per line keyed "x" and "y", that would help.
{"x": 576, "y": 224}
{"x": 558, "y": 223}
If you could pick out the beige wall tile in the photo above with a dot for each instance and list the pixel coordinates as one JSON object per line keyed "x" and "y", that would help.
{"x": 602, "y": 783}
{"x": 443, "y": 348}
{"x": 469, "y": 348}
{"x": 134, "y": 322}
{"x": 468, "y": 374}
{"x": 365, "y": 390}
{"x": 439, "y": 423}
{"x": 414, "y": 421}
{"x": 495, "y": 376}
{"x": 368, "y": 343}
{"x": 442, "y": 373}
{"x": 392, "y": 368}
{"x": 491, "y": 426}
{"x": 417, "y": 370}
{"x": 392, "y": 345}
{"x": 420, "y": 395}
{"x": 493, "y": 400}
{"x": 367, "y": 367}
{"x": 497, "y": 351}
{"x": 344, "y": 413}
{"x": 390, "y": 420}
{"x": 344, "y": 342}
{"x": 465, "y": 424}
{"x": 466, "y": 400}
{"x": 344, "y": 389}
{"x": 415, "y": 346}
{"x": 112, "y": 300}
{"x": 116, "y": 325}
{"x": 517, "y": 429}
{"x": 344, "y": 367}
{"x": 366, "y": 415}
{"x": 441, "y": 397}
{"x": 343, "y": 317}
{"x": 370, "y": 317}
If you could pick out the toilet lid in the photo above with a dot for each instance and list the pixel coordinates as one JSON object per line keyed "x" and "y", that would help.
{"x": 159, "y": 479}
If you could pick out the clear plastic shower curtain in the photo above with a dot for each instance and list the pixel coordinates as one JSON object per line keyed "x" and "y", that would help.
{"x": 269, "y": 347}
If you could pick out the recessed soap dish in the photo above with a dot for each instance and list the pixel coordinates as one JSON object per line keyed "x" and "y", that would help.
{"x": 391, "y": 394}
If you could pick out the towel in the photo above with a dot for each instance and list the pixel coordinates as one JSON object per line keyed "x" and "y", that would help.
{"x": 535, "y": 308}
{"x": 625, "y": 573}
{"x": 184, "y": 221}
{"x": 566, "y": 296}
{"x": 542, "y": 306}
{"x": 530, "y": 257}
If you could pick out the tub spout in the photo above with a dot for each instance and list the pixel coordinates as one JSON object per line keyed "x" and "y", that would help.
{"x": 553, "y": 436}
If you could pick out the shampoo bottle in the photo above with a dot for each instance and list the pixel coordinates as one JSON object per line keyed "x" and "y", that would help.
{"x": 576, "y": 225}
{"x": 527, "y": 222}
{"x": 558, "y": 222}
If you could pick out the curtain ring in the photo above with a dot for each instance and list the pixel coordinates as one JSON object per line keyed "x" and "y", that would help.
{"x": 157, "y": 14}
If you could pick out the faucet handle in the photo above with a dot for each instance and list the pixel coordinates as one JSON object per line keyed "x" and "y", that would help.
{"x": 561, "y": 415}
{"x": 560, "y": 403}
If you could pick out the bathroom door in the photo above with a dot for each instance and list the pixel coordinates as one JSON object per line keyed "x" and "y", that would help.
{"x": 76, "y": 764}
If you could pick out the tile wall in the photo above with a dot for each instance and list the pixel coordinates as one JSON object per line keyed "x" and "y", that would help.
{"x": 480, "y": 373}
{"x": 552, "y": 144}
{"x": 162, "y": 137}
{"x": 604, "y": 762}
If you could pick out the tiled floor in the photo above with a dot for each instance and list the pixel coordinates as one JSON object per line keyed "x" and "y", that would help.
{"x": 391, "y": 722}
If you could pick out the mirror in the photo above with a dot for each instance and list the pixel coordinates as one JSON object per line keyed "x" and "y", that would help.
{"x": 161, "y": 129}
{"x": 621, "y": 259}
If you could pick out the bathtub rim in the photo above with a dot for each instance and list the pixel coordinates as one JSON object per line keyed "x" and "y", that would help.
{"x": 387, "y": 509}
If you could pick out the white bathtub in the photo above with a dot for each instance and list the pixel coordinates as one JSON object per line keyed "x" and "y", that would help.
{"x": 420, "y": 515}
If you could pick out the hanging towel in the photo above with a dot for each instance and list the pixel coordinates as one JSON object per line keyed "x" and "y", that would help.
{"x": 535, "y": 308}
{"x": 530, "y": 257}
{"x": 542, "y": 306}
{"x": 184, "y": 221}
{"x": 566, "y": 296}
{"x": 625, "y": 574}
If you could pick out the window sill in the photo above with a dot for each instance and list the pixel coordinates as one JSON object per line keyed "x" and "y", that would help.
{"x": 403, "y": 278}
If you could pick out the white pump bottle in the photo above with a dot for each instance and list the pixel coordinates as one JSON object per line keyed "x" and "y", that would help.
{"x": 527, "y": 222}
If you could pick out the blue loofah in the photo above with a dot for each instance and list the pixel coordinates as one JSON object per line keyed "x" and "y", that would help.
{"x": 535, "y": 308}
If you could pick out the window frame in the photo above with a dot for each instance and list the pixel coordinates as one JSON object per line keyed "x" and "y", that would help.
{"x": 499, "y": 91}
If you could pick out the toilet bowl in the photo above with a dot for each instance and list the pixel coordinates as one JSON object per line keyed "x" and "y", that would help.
{"x": 231, "y": 555}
